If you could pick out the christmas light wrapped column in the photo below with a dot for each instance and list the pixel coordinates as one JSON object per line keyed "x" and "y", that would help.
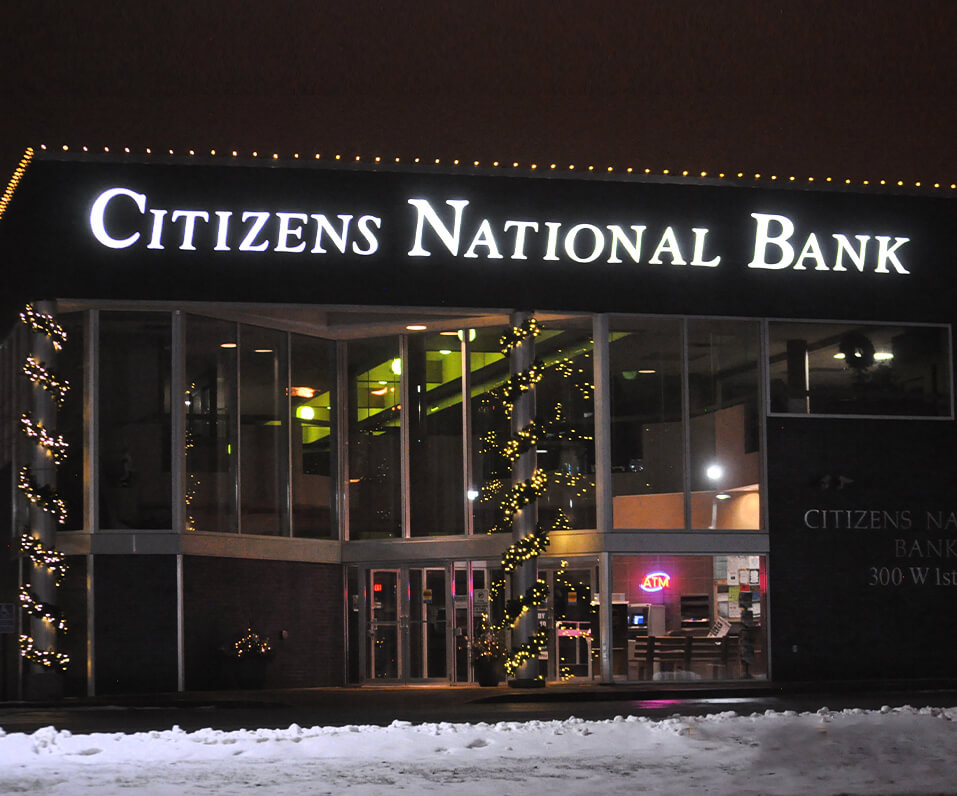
{"x": 525, "y": 573}
{"x": 43, "y": 568}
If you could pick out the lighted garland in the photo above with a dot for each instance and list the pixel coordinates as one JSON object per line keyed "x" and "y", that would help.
{"x": 42, "y": 558}
{"x": 38, "y": 374}
{"x": 57, "y": 446}
{"x": 519, "y": 383}
{"x": 519, "y": 334}
{"x": 35, "y": 607}
{"x": 46, "y": 658}
{"x": 42, "y": 323}
{"x": 251, "y": 645}
{"x": 519, "y": 496}
{"x": 42, "y": 495}
{"x": 530, "y": 650}
{"x": 192, "y": 481}
{"x": 512, "y": 500}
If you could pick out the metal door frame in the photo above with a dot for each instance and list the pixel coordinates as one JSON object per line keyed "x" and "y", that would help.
{"x": 403, "y": 619}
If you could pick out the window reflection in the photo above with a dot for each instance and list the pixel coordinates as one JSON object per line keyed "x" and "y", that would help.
{"x": 724, "y": 424}
{"x": 375, "y": 412}
{"x": 488, "y": 370}
{"x": 435, "y": 435}
{"x": 211, "y": 445}
{"x": 263, "y": 439}
{"x": 70, "y": 364}
{"x": 647, "y": 440}
{"x": 312, "y": 395}
{"x": 134, "y": 401}
{"x": 858, "y": 369}
{"x": 565, "y": 404}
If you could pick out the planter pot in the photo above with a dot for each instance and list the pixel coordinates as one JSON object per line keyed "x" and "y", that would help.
{"x": 487, "y": 673}
{"x": 246, "y": 673}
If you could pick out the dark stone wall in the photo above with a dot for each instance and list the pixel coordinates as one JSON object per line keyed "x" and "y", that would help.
{"x": 225, "y": 596}
{"x": 135, "y": 623}
{"x": 873, "y": 594}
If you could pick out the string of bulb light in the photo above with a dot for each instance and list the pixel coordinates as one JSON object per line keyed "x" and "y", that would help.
{"x": 534, "y": 166}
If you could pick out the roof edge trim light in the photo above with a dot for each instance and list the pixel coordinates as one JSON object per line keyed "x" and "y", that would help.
{"x": 712, "y": 175}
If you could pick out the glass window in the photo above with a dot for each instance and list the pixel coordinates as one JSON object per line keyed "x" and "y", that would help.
{"x": 212, "y": 450}
{"x": 564, "y": 414}
{"x": 565, "y": 407}
{"x": 70, "y": 364}
{"x": 375, "y": 443}
{"x": 678, "y": 617}
{"x": 313, "y": 396}
{"x": 134, "y": 420}
{"x": 262, "y": 430}
{"x": 436, "y": 464}
{"x": 858, "y": 369}
{"x": 647, "y": 440}
{"x": 724, "y": 424}
{"x": 489, "y": 370}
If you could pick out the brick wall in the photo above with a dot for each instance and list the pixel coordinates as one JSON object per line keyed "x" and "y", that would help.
{"x": 224, "y": 596}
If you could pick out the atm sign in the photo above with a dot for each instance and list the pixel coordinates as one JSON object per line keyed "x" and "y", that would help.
{"x": 656, "y": 581}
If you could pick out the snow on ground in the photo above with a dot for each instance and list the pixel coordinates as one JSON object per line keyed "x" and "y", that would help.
{"x": 891, "y": 751}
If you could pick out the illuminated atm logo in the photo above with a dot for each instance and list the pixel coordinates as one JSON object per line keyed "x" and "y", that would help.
{"x": 656, "y": 581}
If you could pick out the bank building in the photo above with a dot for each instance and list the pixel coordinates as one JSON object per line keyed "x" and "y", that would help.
{"x": 381, "y": 421}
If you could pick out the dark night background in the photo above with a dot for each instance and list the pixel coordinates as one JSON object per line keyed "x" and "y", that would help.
{"x": 850, "y": 89}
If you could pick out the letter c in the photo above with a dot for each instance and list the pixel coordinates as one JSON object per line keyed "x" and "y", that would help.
{"x": 807, "y": 518}
{"x": 99, "y": 210}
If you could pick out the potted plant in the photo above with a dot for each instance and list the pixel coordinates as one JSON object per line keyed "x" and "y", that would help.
{"x": 247, "y": 656}
{"x": 488, "y": 654}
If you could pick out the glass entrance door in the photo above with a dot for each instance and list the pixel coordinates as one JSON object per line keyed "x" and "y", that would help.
{"x": 384, "y": 663}
{"x": 428, "y": 625}
{"x": 408, "y": 625}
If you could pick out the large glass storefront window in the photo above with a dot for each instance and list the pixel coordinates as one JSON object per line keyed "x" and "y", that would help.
{"x": 859, "y": 369}
{"x": 488, "y": 371}
{"x": 313, "y": 396}
{"x": 436, "y": 460}
{"x": 375, "y": 440}
{"x": 647, "y": 439}
{"x": 566, "y": 410}
{"x": 724, "y": 430}
{"x": 263, "y": 436}
{"x": 134, "y": 420}
{"x": 212, "y": 448}
{"x": 689, "y": 617}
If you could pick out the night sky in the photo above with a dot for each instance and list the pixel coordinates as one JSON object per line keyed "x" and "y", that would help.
{"x": 850, "y": 89}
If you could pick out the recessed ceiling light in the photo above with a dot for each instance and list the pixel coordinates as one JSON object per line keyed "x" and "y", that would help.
{"x": 227, "y": 345}
{"x": 416, "y": 327}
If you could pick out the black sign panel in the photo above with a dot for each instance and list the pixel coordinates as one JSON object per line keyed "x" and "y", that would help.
{"x": 863, "y": 564}
{"x": 204, "y": 231}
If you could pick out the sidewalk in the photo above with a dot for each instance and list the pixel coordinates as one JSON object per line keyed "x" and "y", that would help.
{"x": 381, "y": 705}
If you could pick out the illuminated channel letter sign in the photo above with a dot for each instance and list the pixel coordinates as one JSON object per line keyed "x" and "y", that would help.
{"x": 656, "y": 581}
{"x": 122, "y": 218}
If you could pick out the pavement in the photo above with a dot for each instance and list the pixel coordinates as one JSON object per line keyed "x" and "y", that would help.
{"x": 370, "y": 704}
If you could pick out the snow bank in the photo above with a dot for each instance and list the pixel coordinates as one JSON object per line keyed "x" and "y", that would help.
{"x": 900, "y": 750}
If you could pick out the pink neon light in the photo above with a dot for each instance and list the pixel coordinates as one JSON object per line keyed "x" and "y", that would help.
{"x": 656, "y": 581}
